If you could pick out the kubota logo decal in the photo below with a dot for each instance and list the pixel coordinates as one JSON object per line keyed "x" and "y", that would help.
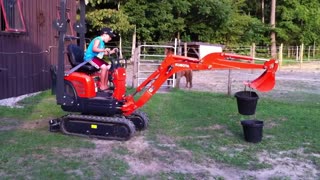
{"x": 182, "y": 65}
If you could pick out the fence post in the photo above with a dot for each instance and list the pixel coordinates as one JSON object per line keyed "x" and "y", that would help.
{"x": 253, "y": 50}
{"x": 253, "y": 53}
{"x": 229, "y": 82}
{"x": 301, "y": 55}
{"x": 185, "y": 49}
{"x": 314, "y": 50}
{"x": 309, "y": 50}
{"x": 280, "y": 54}
{"x": 134, "y": 40}
{"x": 179, "y": 47}
{"x": 175, "y": 46}
{"x": 297, "y": 53}
{"x": 135, "y": 67}
{"x": 120, "y": 48}
{"x": 144, "y": 51}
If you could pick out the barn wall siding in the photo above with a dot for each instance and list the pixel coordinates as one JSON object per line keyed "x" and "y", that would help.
{"x": 25, "y": 59}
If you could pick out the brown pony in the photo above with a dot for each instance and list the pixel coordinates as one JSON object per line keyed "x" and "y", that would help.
{"x": 187, "y": 73}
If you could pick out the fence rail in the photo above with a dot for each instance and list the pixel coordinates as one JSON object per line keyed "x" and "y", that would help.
{"x": 289, "y": 52}
{"x": 287, "y": 55}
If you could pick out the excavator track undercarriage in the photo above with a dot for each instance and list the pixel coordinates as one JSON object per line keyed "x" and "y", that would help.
{"x": 109, "y": 128}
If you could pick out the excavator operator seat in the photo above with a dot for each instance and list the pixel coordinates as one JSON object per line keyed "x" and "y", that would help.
{"x": 75, "y": 56}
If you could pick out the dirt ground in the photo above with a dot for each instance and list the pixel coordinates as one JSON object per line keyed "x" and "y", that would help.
{"x": 146, "y": 160}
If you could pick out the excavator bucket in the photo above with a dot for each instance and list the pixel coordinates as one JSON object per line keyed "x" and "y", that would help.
{"x": 263, "y": 83}
{"x": 266, "y": 81}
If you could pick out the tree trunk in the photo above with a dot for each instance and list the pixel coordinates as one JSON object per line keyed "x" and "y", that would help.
{"x": 273, "y": 25}
{"x": 262, "y": 11}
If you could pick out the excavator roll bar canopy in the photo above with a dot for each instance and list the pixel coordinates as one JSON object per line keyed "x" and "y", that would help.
{"x": 61, "y": 26}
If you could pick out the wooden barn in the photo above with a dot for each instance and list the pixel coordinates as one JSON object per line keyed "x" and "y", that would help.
{"x": 28, "y": 44}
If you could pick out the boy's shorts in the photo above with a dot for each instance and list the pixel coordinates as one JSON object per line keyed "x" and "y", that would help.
{"x": 97, "y": 63}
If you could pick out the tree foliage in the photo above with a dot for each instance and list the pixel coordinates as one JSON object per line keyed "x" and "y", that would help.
{"x": 114, "y": 19}
{"x": 217, "y": 21}
{"x": 299, "y": 21}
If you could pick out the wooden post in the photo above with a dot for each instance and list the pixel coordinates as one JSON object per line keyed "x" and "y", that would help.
{"x": 309, "y": 50}
{"x": 134, "y": 40}
{"x": 297, "y": 53}
{"x": 185, "y": 49}
{"x": 179, "y": 47}
{"x": 301, "y": 55}
{"x": 253, "y": 53}
{"x": 280, "y": 55}
{"x": 144, "y": 50}
{"x": 253, "y": 50}
{"x": 229, "y": 83}
{"x": 175, "y": 46}
{"x": 135, "y": 67}
{"x": 314, "y": 50}
{"x": 120, "y": 48}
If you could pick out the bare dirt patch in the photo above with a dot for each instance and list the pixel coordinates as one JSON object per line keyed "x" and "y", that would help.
{"x": 11, "y": 124}
{"x": 8, "y": 124}
{"x": 284, "y": 166}
{"x": 35, "y": 124}
{"x": 148, "y": 159}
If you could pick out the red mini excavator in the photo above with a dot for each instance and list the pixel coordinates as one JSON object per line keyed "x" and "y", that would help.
{"x": 115, "y": 115}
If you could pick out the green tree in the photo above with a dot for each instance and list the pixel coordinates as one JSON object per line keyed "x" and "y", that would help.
{"x": 216, "y": 21}
{"x": 106, "y": 13}
{"x": 114, "y": 19}
{"x": 242, "y": 29}
{"x": 157, "y": 20}
{"x": 298, "y": 21}
{"x": 206, "y": 18}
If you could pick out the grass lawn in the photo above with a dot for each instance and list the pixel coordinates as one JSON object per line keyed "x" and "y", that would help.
{"x": 186, "y": 126}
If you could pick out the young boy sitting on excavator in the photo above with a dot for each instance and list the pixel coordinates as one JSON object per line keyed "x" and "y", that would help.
{"x": 95, "y": 52}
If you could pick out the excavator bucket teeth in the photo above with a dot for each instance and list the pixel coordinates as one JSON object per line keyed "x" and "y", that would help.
{"x": 266, "y": 81}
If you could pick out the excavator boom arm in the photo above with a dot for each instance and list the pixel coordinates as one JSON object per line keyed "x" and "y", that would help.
{"x": 173, "y": 64}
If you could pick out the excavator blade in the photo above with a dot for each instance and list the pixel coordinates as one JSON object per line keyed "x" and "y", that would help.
{"x": 266, "y": 81}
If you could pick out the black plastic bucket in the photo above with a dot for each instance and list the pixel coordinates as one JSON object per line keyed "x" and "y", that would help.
{"x": 252, "y": 130}
{"x": 247, "y": 102}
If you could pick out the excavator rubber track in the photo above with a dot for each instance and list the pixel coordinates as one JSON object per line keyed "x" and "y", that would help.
{"x": 109, "y": 128}
{"x": 139, "y": 119}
